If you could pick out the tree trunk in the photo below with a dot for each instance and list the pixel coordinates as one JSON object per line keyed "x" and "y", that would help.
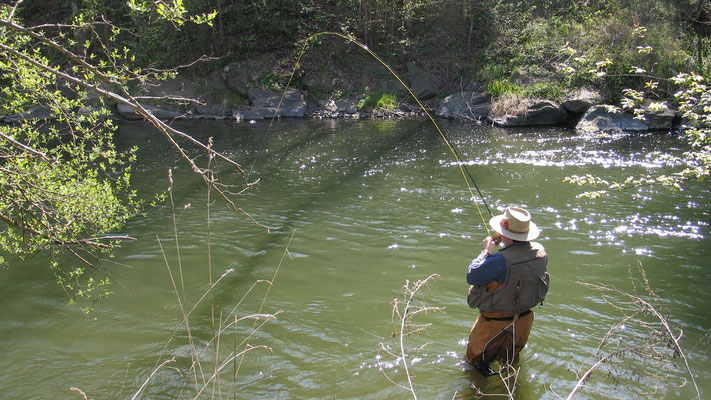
{"x": 79, "y": 35}
{"x": 368, "y": 15}
{"x": 699, "y": 19}
{"x": 408, "y": 10}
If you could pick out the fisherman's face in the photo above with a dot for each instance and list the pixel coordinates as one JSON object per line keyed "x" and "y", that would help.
{"x": 506, "y": 241}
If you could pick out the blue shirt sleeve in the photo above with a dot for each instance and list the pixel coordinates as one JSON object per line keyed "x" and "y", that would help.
{"x": 486, "y": 268}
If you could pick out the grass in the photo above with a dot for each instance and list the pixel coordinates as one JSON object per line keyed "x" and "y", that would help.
{"x": 500, "y": 87}
{"x": 379, "y": 100}
{"x": 510, "y": 104}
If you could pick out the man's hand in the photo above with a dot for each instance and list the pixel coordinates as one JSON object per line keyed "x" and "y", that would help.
{"x": 488, "y": 244}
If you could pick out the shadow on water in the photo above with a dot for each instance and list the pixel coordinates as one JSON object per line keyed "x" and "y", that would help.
{"x": 274, "y": 159}
{"x": 370, "y": 201}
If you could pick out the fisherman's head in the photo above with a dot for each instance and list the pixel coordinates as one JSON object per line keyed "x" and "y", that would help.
{"x": 515, "y": 223}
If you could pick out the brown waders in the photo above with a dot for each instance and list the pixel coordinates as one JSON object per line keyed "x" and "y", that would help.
{"x": 491, "y": 338}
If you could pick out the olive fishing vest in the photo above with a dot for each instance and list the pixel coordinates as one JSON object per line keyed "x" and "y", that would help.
{"x": 526, "y": 281}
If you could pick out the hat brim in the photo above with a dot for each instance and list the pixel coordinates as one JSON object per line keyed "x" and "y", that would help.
{"x": 532, "y": 234}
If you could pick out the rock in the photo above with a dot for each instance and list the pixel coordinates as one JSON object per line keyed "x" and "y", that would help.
{"x": 407, "y": 108}
{"x": 212, "y": 109}
{"x": 328, "y": 105}
{"x": 599, "y": 119}
{"x": 422, "y": 84}
{"x": 239, "y": 78}
{"x": 246, "y": 115}
{"x": 581, "y": 99}
{"x": 536, "y": 113}
{"x": 336, "y": 108}
{"x": 129, "y": 113}
{"x": 464, "y": 105}
{"x": 659, "y": 116}
{"x": 41, "y": 113}
{"x": 347, "y": 106}
{"x": 176, "y": 87}
{"x": 216, "y": 82}
{"x": 475, "y": 86}
{"x": 265, "y": 102}
{"x": 315, "y": 83}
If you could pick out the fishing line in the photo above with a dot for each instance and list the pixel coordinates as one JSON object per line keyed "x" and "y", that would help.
{"x": 462, "y": 167}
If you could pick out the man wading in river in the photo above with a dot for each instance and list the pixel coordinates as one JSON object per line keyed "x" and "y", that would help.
{"x": 504, "y": 287}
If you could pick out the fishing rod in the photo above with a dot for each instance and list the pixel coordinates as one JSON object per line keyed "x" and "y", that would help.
{"x": 452, "y": 148}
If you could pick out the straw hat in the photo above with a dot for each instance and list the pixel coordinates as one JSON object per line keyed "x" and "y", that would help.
{"x": 515, "y": 223}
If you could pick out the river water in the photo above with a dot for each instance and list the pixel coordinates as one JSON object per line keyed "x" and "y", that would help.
{"x": 362, "y": 207}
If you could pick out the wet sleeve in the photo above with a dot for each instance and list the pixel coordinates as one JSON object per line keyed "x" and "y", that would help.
{"x": 486, "y": 268}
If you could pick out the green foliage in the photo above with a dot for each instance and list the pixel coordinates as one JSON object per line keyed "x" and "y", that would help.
{"x": 587, "y": 59}
{"x": 269, "y": 80}
{"x": 501, "y": 87}
{"x": 693, "y": 98}
{"x": 379, "y": 100}
{"x": 545, "y": 90}
{"x": 173, "y": 11}
{"x": 491, "y": 72}
{"x": 64, "y": 187}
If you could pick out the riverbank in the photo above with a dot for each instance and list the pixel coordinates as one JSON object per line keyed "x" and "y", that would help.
{"x": 236, "y": 93}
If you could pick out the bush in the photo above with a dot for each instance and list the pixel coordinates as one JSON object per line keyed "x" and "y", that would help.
{"x": 379, "y": 100}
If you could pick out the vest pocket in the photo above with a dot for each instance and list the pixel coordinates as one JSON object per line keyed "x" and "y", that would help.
{"x": 531, "y": 291}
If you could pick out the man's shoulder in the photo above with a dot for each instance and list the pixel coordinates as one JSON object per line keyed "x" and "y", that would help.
{"x": 496, "y": 257}
{"x": 540, "y": 250}
{"x": 523, "y": 248}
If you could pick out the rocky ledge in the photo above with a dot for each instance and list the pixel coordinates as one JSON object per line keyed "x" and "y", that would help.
{"x": 237, "y": 93}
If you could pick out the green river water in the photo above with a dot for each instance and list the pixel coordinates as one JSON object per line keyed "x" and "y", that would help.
{"x": 370, "y": 205}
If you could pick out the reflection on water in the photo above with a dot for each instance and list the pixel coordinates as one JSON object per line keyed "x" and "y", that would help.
{"x": 371, "y": 204}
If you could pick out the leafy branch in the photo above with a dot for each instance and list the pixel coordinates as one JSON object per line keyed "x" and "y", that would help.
{"x": 64, "y": 186}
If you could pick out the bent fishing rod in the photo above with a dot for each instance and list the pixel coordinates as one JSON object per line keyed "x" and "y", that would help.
{"x": 452, "y": 148}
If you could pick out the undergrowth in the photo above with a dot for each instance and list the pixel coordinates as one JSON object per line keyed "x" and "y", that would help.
{"x": 379, "y": 100}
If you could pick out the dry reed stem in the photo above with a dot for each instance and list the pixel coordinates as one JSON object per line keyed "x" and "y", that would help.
{"x": 634, "y": 307}
{"x": 406, "y": 328}
{"x": 586, "y": 375}
{"x": 196, "y": 365}
{"x": 81, "y": 392}
{"x": 193, "y": 351}
{"x": 145, "y": 383}
{"x": 264, "y": 299}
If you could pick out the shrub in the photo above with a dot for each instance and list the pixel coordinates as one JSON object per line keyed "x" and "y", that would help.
{"x": 379, "y": 100}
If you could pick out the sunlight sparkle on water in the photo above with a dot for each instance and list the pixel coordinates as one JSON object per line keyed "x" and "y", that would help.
{"x": 643, "y": 252}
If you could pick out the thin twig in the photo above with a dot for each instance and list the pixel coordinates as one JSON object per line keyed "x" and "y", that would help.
{"x": 264, "y": 299}
{"x": 586, "y": 375}
{"x": 145, "y": 383}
